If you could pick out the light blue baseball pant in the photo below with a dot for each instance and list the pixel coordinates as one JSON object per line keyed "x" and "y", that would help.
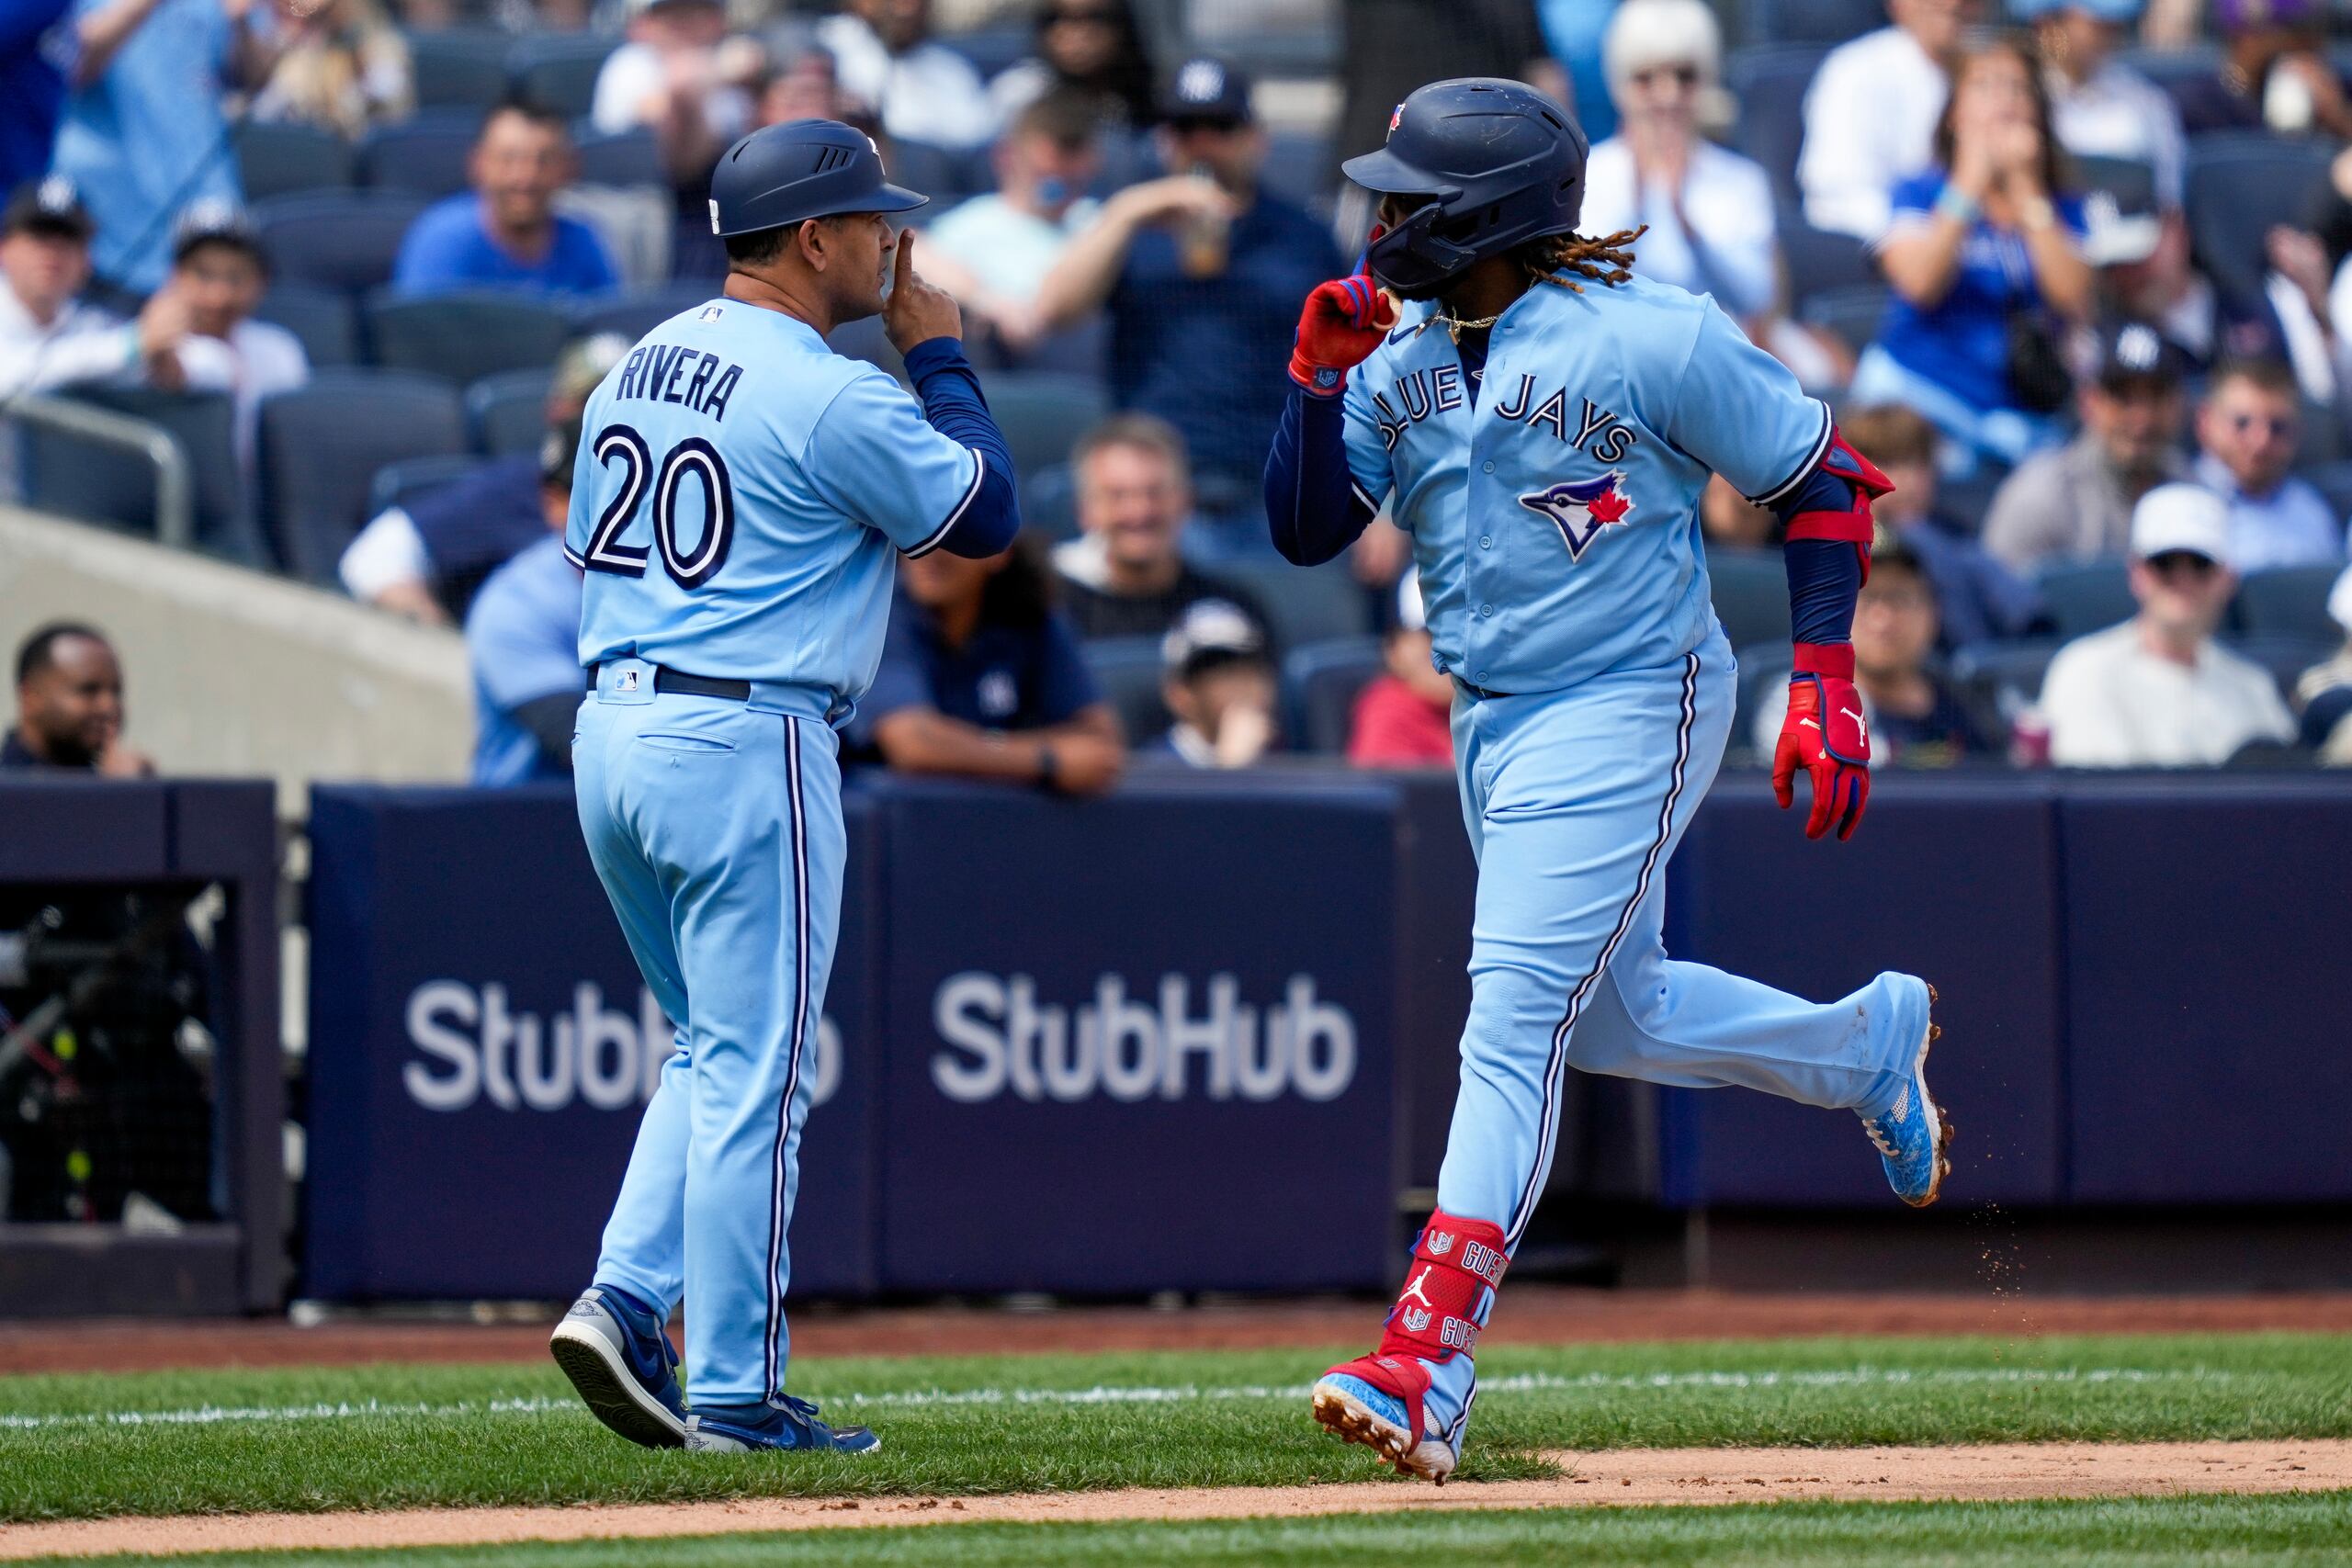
{"x": 1574, "y": 801}
{"x": 715, "y": 828}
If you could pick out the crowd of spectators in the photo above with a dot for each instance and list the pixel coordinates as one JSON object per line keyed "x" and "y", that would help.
{"x": 1980, "y": 231}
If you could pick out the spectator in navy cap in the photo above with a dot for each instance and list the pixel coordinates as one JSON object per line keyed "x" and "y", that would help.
{"x": 2274, "y": 74}
{"x": 2100, "y": 108}
{"x": 980, "y": 678}
{"x": 219, "y": 270}
{"x": 1219, "y": 682}
{"x": 506, "y": 231}
{"x": 49, "y": 335}
{"x": 2074, "y": 502}
{"x": 1201, "y": 270}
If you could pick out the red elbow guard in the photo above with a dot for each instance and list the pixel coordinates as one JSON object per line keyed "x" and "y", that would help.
{"x": 1853, "y": 524}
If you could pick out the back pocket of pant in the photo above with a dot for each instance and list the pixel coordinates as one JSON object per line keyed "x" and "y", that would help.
{"x": 687, "y": 745}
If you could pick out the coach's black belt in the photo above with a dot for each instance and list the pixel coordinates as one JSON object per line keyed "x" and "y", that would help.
{"x": 685, "y": 685}
{"x": 1478, "y": 691}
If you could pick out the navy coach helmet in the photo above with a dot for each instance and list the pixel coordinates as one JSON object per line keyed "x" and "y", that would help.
{"x": 800, "y": 169}
{"x": 1500, "y": 165}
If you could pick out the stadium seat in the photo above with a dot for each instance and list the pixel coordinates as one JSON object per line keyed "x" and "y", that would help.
{"x": 2240, "y": 186}
{"x": 1853, "y": 313}
{"x": 459, "y": 67}
{"x": 2174, "y": 66}
{"x": 617, "y": 158}
{"x": 635, "y": 314}
{"x": 2286, "y": 658}
{"x": 1818, "y": 260}
{"x": 1128, "y": 668}
{"x": 322, "y": 444}
{"x": 466, "y": 336}
{"x": 1307, "y": 605}
{"x": 2000, "y": 676}
{"x": 424, "y": 154}
{"x": 282, "y": 157}
{"x": 1751, "y": 593}
{"x": 2333, "y": 480}
{"x": 942, "y": 174}
{"x": 1043, "y": 414}
{"x": 1762, "y": 671}
{"x": 1810, "y": 21}
{"x": 992, "y": 50}
{"x": 77, "y": 477}
{"x": 397, "y": 484}
{"x": 2083, "y": 597}
{"x": 1770, "y": 82}
{"x": 1049, "y": 502}
{"x": 346, "y": 239}
{"x": 2290, "y": 601}
{"x": 558, "y": 71}
{"x": 1321, "y": 683}
{"x": 508, "y": 413}
{"x": 1299, "y": 165}
{"x": 323, "y": 319}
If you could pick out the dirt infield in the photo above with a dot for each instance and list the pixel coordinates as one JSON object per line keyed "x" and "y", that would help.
{"x": 2006, "y": 1472}
{"x": 1535, "y": 1314}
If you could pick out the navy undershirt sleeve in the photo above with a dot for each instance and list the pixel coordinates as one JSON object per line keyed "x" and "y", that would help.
{"x": 1312, "y": 504}
{"x": 951, "y": 402}
{"x": 1825, "y": 575}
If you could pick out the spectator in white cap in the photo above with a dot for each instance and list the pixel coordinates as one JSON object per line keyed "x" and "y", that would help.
{"x": 2156, "y": 691}
{"x": 1219, "y": 682}
{"x": 1404, "y": 718}
{"x": 925, "y": 91}
{"x": 2323, "y": 697}
{"x": 2100, "y": 108}
{"x": 1870, "y": 115}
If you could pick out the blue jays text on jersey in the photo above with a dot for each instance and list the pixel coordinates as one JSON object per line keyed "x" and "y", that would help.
{"x": 1553, "y": 499}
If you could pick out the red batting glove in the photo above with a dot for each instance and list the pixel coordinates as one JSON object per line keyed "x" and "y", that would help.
{"x": 1825, "y": 734}
{"x": 1343, "y": 323}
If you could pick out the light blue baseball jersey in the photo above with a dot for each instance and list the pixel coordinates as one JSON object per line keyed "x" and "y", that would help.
{"x": 1553, "y": 501}
{"x": 740, "y": 494}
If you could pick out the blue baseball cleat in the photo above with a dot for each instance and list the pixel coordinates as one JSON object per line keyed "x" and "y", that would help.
{"x": 1912, "y": 1135}
{"x": 740, "y": 1428}
{"x": 1378, "y": 1401}
{"x": 621, "y": 1360}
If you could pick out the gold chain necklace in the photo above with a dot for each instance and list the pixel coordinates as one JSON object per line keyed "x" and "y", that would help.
{"x": 1455, "y": 326}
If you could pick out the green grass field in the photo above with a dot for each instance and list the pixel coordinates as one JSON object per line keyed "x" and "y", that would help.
{"x": 317, "y": 1440}
{"x": 2245, "y": 1532}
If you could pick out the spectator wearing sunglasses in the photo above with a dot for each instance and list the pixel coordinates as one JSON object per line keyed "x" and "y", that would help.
{"x": 2157, "y": 692}
{"x": 2248, "y": 435}
{"x": 1091, "y": 48}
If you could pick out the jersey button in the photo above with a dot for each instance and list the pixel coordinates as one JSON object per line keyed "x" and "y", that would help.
{"x": 1485, "y": 611}
{"x": 1486, "y": 541}
{"x": 1489, "y": 469}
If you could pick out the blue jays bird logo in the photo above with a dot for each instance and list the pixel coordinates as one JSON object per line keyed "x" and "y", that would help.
{"x": 1581, "y": 508}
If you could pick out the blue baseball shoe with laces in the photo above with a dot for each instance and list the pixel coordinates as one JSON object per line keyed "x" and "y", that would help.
{"x": 740, "y": 1428}
{"x": 620, "y": 1358}
{"x": 1912, "y": 1135}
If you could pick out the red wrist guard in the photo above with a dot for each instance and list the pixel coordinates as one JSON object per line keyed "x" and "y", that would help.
{"x": 1854, "y": 523}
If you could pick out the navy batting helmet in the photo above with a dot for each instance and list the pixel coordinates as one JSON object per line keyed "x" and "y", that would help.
{"x": 802, "y": 168}
{"x": 1499, "y": 163}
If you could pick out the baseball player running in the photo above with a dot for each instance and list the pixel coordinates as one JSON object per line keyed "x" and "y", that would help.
{"x": 1545, "y": 422}
{"x": 739, "y": 500}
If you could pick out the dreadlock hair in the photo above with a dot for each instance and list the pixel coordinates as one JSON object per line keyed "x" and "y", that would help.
{"x": 1608, "y": 258}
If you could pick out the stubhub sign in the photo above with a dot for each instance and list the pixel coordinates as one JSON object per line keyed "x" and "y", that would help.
{"x": 1061, "y": 1045}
